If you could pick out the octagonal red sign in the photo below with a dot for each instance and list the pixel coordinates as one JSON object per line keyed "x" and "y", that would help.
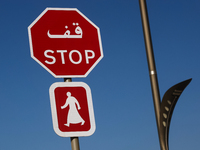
{"x": 65, "y": 42}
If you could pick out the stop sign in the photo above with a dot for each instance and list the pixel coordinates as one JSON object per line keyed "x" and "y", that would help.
{"x": 65, "y": 42}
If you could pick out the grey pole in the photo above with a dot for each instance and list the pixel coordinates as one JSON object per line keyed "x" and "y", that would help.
{"x": 75, "y": 143}
{"x": 151, "y": 64}
{"x": 74, "y": 140}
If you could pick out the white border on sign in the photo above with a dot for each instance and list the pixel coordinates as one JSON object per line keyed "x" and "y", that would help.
{"x": 54, "y": 110}
{"x": 31, "y": 46}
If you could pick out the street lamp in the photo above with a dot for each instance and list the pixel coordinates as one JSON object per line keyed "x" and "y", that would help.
{"x": 168, "y": 103}
{"x": 164, "y": 109}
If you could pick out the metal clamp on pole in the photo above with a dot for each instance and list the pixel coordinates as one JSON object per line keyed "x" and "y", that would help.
{"x": 74, "y": 140}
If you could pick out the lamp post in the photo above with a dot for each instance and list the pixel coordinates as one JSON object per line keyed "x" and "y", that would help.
{"x": 151, "y": 62}
{"x": 164, "y": 109}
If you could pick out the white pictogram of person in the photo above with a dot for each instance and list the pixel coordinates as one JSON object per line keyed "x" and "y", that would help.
{"x": 73, "y": 116}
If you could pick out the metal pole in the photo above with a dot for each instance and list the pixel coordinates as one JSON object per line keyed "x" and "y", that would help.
{"x": 151, "y": 65}
{"x": 75, "y": 143}
{"x": 74, "y": 140}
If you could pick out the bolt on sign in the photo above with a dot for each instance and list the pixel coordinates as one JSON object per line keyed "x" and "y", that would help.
{"x": 72, "y": 109}
{"x": 65, "y": 42}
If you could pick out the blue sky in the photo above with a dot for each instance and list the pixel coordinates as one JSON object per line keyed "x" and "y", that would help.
{"x": 120, "y": 85}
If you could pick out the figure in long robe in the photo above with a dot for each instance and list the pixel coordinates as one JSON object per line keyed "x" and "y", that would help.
{"x": 73, "y": 116}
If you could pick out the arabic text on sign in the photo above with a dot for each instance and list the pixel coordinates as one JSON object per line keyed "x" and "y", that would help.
{"x": 78, "y": 31}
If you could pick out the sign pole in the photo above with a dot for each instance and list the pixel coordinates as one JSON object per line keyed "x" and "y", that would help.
{"x": 74, "y": 140}
{"x": 75, "y": 143}
{"x": 151, "y": 65}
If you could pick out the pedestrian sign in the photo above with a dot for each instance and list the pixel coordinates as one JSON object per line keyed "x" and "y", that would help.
{"x": 72, "y": 109}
